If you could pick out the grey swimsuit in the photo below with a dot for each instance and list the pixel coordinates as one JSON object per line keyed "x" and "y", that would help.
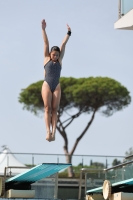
{"x": 52, "y": 74}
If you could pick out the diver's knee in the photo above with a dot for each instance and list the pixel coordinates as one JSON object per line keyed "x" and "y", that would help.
{"x": 47, "y": 109}
{"x": 54, "y": 110}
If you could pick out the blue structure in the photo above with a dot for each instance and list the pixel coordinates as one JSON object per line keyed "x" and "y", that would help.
{"x": 38, "y": 172}
{"x": 24, "y": 180}
{"x": 122, "y": 184}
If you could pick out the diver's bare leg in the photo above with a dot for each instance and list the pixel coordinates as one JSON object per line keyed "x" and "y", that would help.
{"x": 55, "y": 105}
{"x": 47, "y": 99}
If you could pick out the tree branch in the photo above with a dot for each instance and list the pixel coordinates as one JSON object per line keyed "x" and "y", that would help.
{"x": 82, "y": 134}
{"x": 69, "y": 123}
{"x": 61, "y": 130}
{"x": 72, "y": 118}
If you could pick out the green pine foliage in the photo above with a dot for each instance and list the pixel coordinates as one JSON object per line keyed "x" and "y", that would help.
{"x": 87, "y": 94}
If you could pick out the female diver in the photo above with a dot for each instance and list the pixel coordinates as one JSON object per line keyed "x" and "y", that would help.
{"x": 51, "y": 90}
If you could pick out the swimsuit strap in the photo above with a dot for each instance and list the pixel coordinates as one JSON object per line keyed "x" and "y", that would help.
{"x": 47, "y": 63}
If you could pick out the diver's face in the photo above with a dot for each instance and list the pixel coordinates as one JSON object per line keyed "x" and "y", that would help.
{"x": 54, "y": 55}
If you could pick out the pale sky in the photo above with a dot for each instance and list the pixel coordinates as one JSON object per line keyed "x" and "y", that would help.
{"x": 94, "y": 49}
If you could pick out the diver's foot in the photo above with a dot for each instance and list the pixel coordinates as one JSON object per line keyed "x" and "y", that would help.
{"x": 53, "y": 136}
{"x": 48, "y": 136}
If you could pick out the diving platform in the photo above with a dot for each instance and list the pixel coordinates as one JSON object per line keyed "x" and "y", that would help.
{"x": 117, "y": 183}
{"x": 19, "y": 186}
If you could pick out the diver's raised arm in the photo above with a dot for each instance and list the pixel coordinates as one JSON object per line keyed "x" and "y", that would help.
{"x": 45, "y": 38}
{"x": 62, "y": 48}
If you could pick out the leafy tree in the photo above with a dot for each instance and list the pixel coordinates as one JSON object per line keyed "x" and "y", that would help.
{"x": 97, "y": 164}
{"x": 129, "y": 152}
{"x": 116, "y": 162}
{"x": 86, "y": 95}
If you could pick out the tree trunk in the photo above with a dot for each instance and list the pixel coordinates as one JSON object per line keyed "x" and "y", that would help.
{"x": 70, "y": 169}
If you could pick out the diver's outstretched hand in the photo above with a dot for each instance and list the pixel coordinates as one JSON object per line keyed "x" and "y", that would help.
{"x": 43, "y": 24}
{"x": 68, "y": 27}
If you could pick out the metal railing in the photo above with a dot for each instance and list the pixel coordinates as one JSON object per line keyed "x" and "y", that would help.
{"x": 120, "y": 172}
{"x": 117, "y": 173}
{"x": 32, "y": 159}
{"x": 91, "y": 178}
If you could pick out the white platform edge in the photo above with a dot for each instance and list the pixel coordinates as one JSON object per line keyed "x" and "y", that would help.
{"x": 125, "y": 22}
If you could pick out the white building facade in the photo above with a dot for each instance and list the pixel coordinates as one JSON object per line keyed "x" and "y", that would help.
{"x": 125, "y": 15}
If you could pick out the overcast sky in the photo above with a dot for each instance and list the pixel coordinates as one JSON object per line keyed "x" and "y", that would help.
{"x": 94, "y": 49}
